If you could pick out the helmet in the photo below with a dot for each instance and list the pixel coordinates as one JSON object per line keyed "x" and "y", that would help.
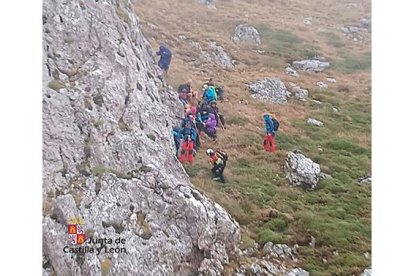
{"x": 210, "y": 152}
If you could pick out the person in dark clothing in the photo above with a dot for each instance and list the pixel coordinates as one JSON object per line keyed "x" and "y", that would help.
{"x": 177, "y": 138}
{"x": 190, "y": 119}
{"x": 165, "y": 58}
{"x": 219, "y": 160}
{"x": 202, "y": 116}
{"x": 219, "y": 117}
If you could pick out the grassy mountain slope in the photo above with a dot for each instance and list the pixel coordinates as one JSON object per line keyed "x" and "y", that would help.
{"x": 338, "y": 213}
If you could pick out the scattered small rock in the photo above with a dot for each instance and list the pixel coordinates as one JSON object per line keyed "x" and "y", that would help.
{"x": 322, "y": 85}
{"x": 152, "y": 26}
{"x": 316, "y": 101}
{"x": 314, "y": 122}
{"x": 313, "y": 242}
{"x": 367, "y": 272}
{"x": 311, "y": 65}
{"x": 366, "y": 179}
{"x": 367, "y": 255}
{"x": 299, "y": 93}
{"x": 291, "y": 72}
{"x": 325, "y": 176}
{"x": 331, "y": 80}
{"x": 307, "y": 21}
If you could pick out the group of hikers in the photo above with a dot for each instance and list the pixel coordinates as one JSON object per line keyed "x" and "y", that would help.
{"x": 201, "y": 115}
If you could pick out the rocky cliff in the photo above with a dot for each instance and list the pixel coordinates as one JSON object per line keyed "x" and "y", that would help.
{"x": 108, "y": 154}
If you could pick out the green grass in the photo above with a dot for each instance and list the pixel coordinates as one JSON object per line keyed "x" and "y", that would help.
{"x": 333, "y": 39}
{"x": 283, "y": 46}
{"x": 352, "y": 64}
{"x": 337, "y": 214}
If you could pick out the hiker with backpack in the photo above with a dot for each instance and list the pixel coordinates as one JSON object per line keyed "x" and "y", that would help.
{"x": 189, "y": 135}
{"x": 191, "y": 119}
{"x": 219, "y": 159}
{"x": 209, "y": 94}
{"x": 187, "y": 93}
{"x": 271, "y": 126}
{"x": 202, "y": 115}
{"x": 218, "y": 89}
{"x": 219, "y": 117}
{"x": 165, "y": 58}
{"x": 211, "y": 126}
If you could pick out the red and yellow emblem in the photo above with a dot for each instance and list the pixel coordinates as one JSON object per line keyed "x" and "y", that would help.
{"x": 76, "y": 231}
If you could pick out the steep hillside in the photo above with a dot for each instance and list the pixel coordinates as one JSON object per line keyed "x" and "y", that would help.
{"x": 108, "y": 157}
{"x": 332, "y": 224}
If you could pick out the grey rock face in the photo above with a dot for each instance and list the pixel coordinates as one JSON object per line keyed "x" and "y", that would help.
{"x": 311, "y": 65}
{"x": 108, "y": 153}
{"x": 314, "y": 122}
{"x": 246, "y": 34}
{"x": 270, "y": 90}
{"x": 302, "y": 171}
{"x": 367, "y": 272}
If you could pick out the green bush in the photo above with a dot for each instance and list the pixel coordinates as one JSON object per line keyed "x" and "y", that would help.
{"x": 267, "y": 235}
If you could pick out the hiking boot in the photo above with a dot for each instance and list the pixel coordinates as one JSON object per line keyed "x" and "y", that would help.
{"x": 216, "y": 178}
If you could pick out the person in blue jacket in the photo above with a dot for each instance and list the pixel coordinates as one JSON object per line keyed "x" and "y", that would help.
{"x": 209, "y": 94}
{"x": 269, "y": 125}
{"x": 165, "y": 60}
{"x": 177, "y": 138}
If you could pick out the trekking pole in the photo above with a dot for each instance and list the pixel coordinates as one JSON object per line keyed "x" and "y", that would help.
{"x": 218, "y": 119}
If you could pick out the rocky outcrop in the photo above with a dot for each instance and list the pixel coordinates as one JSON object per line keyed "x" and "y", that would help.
{"x": 359, "y": 31}
{"x": 213, "y": 54}
{"x": 108, "y": 154}
{"x": 314, "y": 122}
{"x": 246, "y": 34}
{"x": 277, "y": 259}
{"x": 314, "y": 65}
{"x": 219, "y": 56}
{"x": 269, "y": 90}
{"x": 302, "y": 171}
